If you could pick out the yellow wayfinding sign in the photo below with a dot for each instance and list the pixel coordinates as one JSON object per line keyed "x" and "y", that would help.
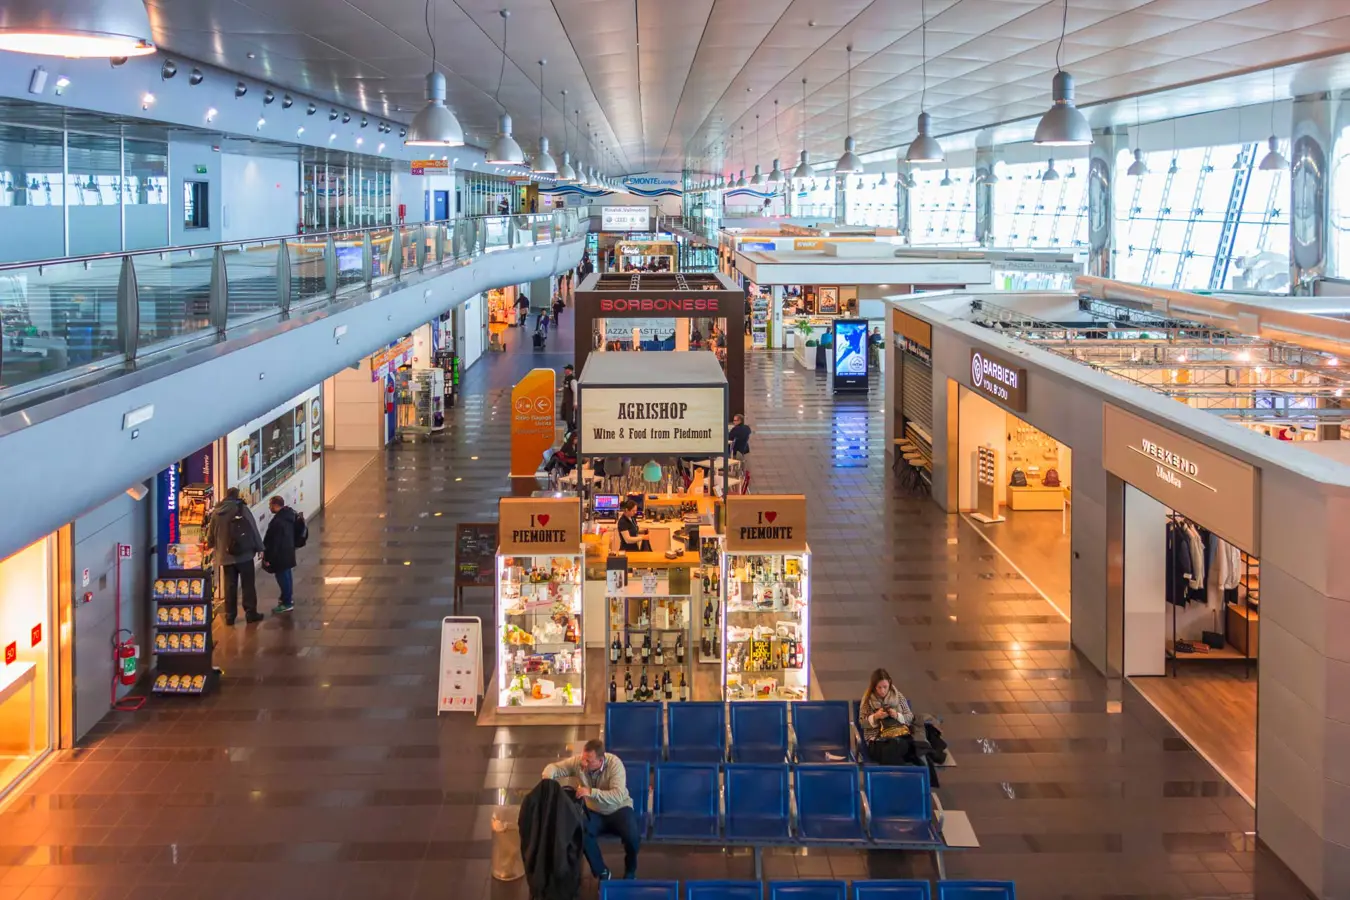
{"x": 532, "y": 421}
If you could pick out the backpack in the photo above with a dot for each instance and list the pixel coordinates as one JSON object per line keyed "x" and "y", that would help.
{"x": 1051, "y": 478}
{"x": 301, "y": 531}
{"x": 1019, "y": 478}
{"x": 241, "y": 541}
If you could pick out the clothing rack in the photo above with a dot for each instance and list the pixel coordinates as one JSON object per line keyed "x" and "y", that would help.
{"x": 1239, "y": 618}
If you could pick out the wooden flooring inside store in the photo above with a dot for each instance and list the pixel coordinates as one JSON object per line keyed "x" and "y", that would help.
{"x": 1214, "y": 707}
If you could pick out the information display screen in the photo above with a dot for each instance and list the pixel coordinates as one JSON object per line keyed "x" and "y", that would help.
{"x": 625, "y": 218}
{"x": 850, "y": 354}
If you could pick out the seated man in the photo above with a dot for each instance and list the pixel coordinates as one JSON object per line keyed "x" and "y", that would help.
{"x": 603, "y": 787}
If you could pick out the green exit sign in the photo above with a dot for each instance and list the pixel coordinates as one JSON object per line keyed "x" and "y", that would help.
{"x": 201, "y": 170}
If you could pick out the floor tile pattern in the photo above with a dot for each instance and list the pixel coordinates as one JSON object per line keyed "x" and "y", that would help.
{"x": 321, "y": 770}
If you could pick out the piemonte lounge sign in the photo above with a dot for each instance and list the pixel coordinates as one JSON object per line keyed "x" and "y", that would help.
{"x": 998, "y": 379}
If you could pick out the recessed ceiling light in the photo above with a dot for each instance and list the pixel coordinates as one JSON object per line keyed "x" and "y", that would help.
{"x": 147, "y": 99}
{"x": 253, "y": 56}
{"x": 211, "y": 114}
{"x": 299, "y": 131}
{"x": 261, "y": 122}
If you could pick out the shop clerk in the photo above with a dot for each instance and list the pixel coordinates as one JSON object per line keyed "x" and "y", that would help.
{"x": 631, "y": 538}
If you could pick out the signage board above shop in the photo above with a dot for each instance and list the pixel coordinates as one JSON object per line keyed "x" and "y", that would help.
{"x": 538, "y": 526}
{"x": 653, "y": 421}
{"x": 625, "y": 218}
{"x": 1211, "y": 488}
{"x": 766, "y": 523}
{"x": 998, "y": 379}
{"x": 430, "y": 166}
{"x": 710, "y": 305}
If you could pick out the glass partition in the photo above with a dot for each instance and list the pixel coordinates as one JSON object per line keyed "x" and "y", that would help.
{"x": 57, "y": 319}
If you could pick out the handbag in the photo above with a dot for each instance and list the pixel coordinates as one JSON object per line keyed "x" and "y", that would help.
{"x": 892, "y": 728}
{"x": 1213, "y": 639}
{"x": 1051, "y": 478}
{"x": 1019, "y": 478}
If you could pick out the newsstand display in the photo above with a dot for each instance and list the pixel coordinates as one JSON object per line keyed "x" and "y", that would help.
{"x": 181, "y": 596}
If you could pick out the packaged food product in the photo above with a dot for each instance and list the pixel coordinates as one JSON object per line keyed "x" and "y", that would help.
{"x": 159, "y": 587}
{"x": 161, "y": 642}
{"x": 175, "y": 642}
{"x": 170, "y": 588}
{"x": 161, "y": 682}
{"x": 198, "y": 683}
{"x": 199, "y": 641}
{"x": 196, "y": 587}
{"x": 175, "y": 614}
{"x": 199, "y": 614}
{"x": 183, "y": 588}
{"x": 162, "y": 614}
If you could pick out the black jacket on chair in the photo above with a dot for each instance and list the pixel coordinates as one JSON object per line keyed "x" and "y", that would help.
{"x": 551, "y": 826}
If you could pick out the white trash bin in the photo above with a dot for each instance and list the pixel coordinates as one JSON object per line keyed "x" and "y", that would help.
{"x": 506, "y": 862}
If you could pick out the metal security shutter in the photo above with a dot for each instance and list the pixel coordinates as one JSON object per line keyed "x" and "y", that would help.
{"x": 917, "y": 391}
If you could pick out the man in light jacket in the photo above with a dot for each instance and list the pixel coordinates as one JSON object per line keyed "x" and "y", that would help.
{"x": 602, "y": 784}
{"x": 235, "y": 550}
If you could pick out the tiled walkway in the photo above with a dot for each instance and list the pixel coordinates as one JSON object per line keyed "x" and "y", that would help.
{"x": 321, "y": 770}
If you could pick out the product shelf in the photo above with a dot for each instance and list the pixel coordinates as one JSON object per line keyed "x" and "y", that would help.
{"x": 539, "y": 627}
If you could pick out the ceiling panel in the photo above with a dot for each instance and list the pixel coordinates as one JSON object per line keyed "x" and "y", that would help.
{"x": 668, "y": 85}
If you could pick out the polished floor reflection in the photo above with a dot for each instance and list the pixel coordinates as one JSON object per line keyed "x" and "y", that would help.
{"x": 320, "y": 770}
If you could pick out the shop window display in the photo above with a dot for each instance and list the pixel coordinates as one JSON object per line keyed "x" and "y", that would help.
{"x": 27, "y": 674}
{"x": 279, "y": 453}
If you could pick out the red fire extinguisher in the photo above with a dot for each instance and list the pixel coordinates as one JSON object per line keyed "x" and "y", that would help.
{"x": 128, "y": 656}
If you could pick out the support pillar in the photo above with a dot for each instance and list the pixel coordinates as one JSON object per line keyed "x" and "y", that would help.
{"x": 1314, "y": 129}
{"x": 1101, "y": 209}
{"x": 902, "y": 209}
{"x": 985, "y": 157}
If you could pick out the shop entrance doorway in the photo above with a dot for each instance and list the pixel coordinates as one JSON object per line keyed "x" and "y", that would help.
{"x": 28, "y": 674}
{"x": 1192, "y": 618}
{"x": 1015, "y": 487}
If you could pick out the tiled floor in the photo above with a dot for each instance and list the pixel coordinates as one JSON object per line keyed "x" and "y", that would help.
{"x": 320, "y": 770}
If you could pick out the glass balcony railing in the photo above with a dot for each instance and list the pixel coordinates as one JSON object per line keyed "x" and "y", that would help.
{"x": 68, "y": 320}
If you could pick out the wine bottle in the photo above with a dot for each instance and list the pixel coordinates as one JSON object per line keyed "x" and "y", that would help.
{"x": 707, "y": 614}
{"x": 614, "y": 650}
{"x": 659, "y": 653}
{"x": 679, "y": 649}
{"x": 646, "y": 647}
{"x": 628, "y": 651}
{"x": 666, "y": 686}
{"x": 644, "y": 692}
{"x": 627, "y": 686}
{"x": 684, "y": 688}
{"x": 613, "y": 689}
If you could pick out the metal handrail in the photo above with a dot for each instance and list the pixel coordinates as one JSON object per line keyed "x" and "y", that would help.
{"x": 69, "y": 321}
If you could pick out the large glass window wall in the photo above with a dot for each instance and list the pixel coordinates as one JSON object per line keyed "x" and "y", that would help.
{"x": 346, "y": 192}
{"x": 872, "y": 203}
{"x": 491, "y": 195}
{"x": 1032, "y": 213}
{"x": 942, "y": 207}
{"x": 813, "y": 199}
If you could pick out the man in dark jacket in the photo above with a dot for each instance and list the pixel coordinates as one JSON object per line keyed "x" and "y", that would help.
{"x": 232, "y": 533}
{"x": 551, "y": 829}
{"x": 568, "y": 405}
{"x": 279, "y": 551}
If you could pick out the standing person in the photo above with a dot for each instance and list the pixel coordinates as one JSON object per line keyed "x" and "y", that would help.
{"x": 738, "y": 438}
{"x": 603, "y": 788}
{"x": 631, "y": 538}
{"x": 285, "y": 533}
{"x": 522, "y": 309}
{"x": 557, "y": 307}
{"x": 233, "y": 533}
{"x": 568, "y": 405}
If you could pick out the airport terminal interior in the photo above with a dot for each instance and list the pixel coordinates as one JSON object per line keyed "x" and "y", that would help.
{"x": 711, "y": 451}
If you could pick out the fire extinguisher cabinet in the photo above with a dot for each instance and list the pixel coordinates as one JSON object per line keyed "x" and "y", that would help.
{"x": 182, "y": 642}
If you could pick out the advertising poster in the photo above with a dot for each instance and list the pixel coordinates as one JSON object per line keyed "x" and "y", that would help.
{"x": 461, "y": 676}
{"x": 532, "y": 421}
{"x": 829, "y": 301}
{"x": 625, "y": 218}
{"x": 850, "y": 354}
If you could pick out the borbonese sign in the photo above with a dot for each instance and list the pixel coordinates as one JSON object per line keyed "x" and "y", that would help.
{"x": 998, "y": 380}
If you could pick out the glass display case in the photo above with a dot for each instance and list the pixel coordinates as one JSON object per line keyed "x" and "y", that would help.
{"x": 766, "y": 626}
{"x": 650, "y": 651}
{"x": 542, "y": 662}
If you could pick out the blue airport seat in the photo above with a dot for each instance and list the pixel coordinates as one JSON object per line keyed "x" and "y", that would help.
{"x": 639, "y": 890}
{"x": 823, "y": 730}
{"x": 685, "y": 802}
{"x": 901, "y": 803}
{"x": 828, "y": 806}
{"x": 724, "y": 890}
{"x": 759, "y": 732}
{"x": 633, "y": 731}
{"x": 807, "y": 890}
{"x": 639, "y": 776}
{"x": 976, "y": 890}
{"x": 698, "y": 732}
{"x": 758, "y": 806}
{"x": 892, "y": 890}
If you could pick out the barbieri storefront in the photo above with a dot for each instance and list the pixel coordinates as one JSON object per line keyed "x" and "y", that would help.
{"x": 1178, "y": 545}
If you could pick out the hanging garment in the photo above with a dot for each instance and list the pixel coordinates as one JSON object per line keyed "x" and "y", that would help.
{"x": 1178, "y": 564}
{"x": 1196, "y": 545}
{"x": 551, "y": 826}
{"x": 1233, "y": 565}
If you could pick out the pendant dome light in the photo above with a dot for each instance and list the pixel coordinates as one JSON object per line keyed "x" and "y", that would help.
{"x": 849, "y": 163}
{"x": 566, "y": 174}
{"x": 1273, "y": 160}
{"x": 1138, "y": 167}
{"x": 758, "y": 179}
{"x": 504, "y": 151}
{"x": 883, "y": 182}
{"x": 946, "y": 178}
{"x": 776, "y": 174}
{"x": 77, "y": 28}
{"x": 1173, "y": 169}
{"x": 740, "y": 182}
{"x": 577, "y": 165}
{"x": 1050, "y": 174}
{"x": 803, "y": 170}
{"x": 1063, "y": 125}
{"x": 543, "y": 163}
{"x": 924, "y": 148}
{"x": 435, "y": 125}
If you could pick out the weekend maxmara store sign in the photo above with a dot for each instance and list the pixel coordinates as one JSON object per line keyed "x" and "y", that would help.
{"x": 640, "y": 422}
{"x": 766, "y": 523}
{"x": 538, "y": 525}
{"x": 1212, "y": 488}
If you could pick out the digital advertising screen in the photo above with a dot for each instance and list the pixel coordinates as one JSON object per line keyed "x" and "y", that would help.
{"x": 850, "y": 354}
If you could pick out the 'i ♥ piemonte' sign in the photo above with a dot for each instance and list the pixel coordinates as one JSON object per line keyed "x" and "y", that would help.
{"x": 533, "y": 526}
{"x": 766, "y": 523}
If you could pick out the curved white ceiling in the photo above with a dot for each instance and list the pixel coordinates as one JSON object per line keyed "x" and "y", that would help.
{"x": 665, "y": 84}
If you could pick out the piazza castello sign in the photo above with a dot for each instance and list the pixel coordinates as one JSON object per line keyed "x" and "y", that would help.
{"x": 1211, "y": 488}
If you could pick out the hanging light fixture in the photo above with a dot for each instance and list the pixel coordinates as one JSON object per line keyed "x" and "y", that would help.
{"x": 77, "y": 28}
{"x": 435, "y": 125}
{"x": 1138, "y": 167}
{"x": 543, "y": 163}
{"x": 776, "y": 174}
{"x": 1172, "y": 169}
{"x": 849, "y": 163}
{"x": 1063, "y": 125}
{"x": 1273, "y": 160}
{"x": 924, "y": 148}
{"x": 1050, "y": 174}
{"x": 882, "y": 182}
{"x": 758, "y": 179}
{"x": 566, "y": 174}
{"x": 946, "y": 178}
{"x": 803, "y": 169}
{"x": 504, "y": 151}
{"x": 859, "y": 185}
{"x": 740, "y": 182}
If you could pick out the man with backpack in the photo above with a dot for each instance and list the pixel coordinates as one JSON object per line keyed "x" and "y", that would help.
{"x": 233, "y": 534}
{"x": 285, "y": 533}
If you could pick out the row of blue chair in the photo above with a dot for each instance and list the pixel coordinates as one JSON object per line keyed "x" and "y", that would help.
{"x": 806, "y": 890}
{"x": 744, "y": 732}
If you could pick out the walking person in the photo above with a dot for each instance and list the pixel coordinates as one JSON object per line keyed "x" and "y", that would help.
{"x": 232, "y": 533}
{"x": 522, "y": 309}
{"x": 285, "y": 533}
{"x": 738, "y": 439}
{"x": 557, "y": 307}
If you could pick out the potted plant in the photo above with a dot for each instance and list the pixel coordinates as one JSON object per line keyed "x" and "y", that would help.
{"x": 804, "y": 347}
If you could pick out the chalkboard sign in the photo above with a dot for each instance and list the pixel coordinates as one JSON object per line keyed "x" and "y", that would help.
{"x": 475, "y": 554}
